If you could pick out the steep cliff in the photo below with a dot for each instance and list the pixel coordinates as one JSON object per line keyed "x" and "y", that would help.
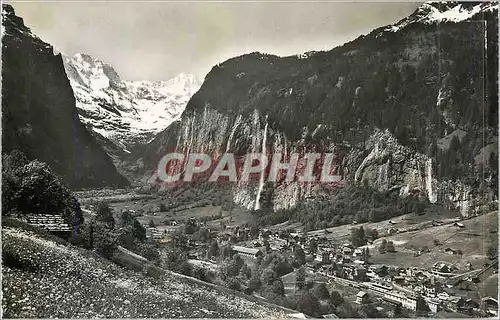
{"x": 39, "y": 116}
{"x": 415, "y": 103}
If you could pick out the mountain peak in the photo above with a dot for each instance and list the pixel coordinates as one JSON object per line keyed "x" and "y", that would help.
{"x": 185, "y": 79}
{"x": 432, "y": 12}
{"x": 98, "y": 72}
{"x": 125, "y": 112}
{"x": 452, "y": 11}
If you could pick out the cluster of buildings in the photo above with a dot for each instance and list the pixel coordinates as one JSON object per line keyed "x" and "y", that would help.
{"x": 413, "y": 288}
{"x": 410, "y": 288}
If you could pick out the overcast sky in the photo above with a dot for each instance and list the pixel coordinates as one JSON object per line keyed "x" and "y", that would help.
{"x": 157, "y": 40}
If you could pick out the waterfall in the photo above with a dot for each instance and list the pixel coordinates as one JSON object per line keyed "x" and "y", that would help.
{"x": 261, "y": 181}
{"x": 231, "y": 135}
{"x": 430, "y": 192}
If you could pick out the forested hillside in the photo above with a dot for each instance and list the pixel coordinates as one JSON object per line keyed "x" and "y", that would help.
{"x": 414, "y": 104}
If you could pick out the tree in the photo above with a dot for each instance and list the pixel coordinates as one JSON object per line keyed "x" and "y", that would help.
{"x": 254, "y": 231}
{"x": 267, "y": 246}
{"x": 345, "y": 310}
{"x": 104, "y": 242}
{"x": 148, "y": 250}
{"x": 228, "y": 270}
{"x": 299, "y": 255}
{"x": 200, "y": 273}
{"x": 493, "y": 162}
{"x": 213, "y": 250}
{"x": 254, "y": 282}
{"x": 278, "y": 287}
{"x": 313, "y": 246}
{"x": 422, "y": 305}
{"x": 383, "y": 246}
{"x": 162, "y": 207}
{"x": 126, "y": 218}
{"x": 366, "y": 254}
{"x": 308, "y": 303}
{"x": 238, "y": 261}
{"x": 397, "y": 310}
{"x": 152, "y": 224}
{"x": 336, "y": 298}
{"x": 226, "y": 251}
{"x": 233, "y": 284}
{"x": 390, "y": 247}
{"x": 30, "y": 187}
{"x": 300, "y": 278}
{"x": 492, "y": 252}
{"x": 179, "y": 241}
{"x": 175, "y": 259}
{"x": 139, "y": 231}
{"x": 321, "y": 292}
{"x": 105, "y": 214}
{"x": 369, "y": 311}
{"x": 268, "y": 276}
{"x": 245, "y": 272}
{"x": 371, "y": 233}
{"x": 358, "y": 237}
{"x": 126, "y": 237}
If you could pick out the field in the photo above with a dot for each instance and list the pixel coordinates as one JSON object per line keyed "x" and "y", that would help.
{"x": 45, "y": 279}
{"x": 403, "y": 222}
{"x": 181, "y": 204}
{"x": 473, "y": 241}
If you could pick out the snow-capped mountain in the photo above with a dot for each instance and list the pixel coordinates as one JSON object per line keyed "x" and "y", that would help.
{"x": 436, "y": 12}
{"x": 123, "y": 112}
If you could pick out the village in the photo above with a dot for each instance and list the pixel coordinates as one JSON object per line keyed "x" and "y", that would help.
{"x": 440, "y": 287}
{"x": 369, "y": 264}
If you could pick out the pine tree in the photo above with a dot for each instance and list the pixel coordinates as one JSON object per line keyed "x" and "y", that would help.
{"x": 300, "y": 278}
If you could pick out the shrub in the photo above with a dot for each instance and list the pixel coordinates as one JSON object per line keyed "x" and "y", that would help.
{"x": 105, "y": 214}
{"x": 104, "y": 241}
{"x": 233, "y": 284}
{"x": 383, "y": 246}
{"x": 308, "y": 303}
{"x": 30, "y": 187}
{"x": 148, "y": 250}
{"x": 162, "y": 207}
{"x": 300, "y": 278}
{"x": 336, "y": 298}
{"x": 390, "y": 247}
{"x": 492, "y": 252}
{"x": 321, "y": 292}
{"x": 358, "y": 237}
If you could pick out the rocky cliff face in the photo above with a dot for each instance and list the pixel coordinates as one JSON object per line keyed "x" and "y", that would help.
{"x": 392, "y": 166}
{"x": 39, "y": 116}
{"x": 123, "y": 114}
{"x": 395, "y": 99}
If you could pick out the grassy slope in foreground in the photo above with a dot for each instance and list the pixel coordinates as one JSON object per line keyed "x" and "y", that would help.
{"x": 43, "y": 279}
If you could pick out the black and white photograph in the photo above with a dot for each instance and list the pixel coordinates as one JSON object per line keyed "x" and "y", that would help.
{"x": 249, "y": 159}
